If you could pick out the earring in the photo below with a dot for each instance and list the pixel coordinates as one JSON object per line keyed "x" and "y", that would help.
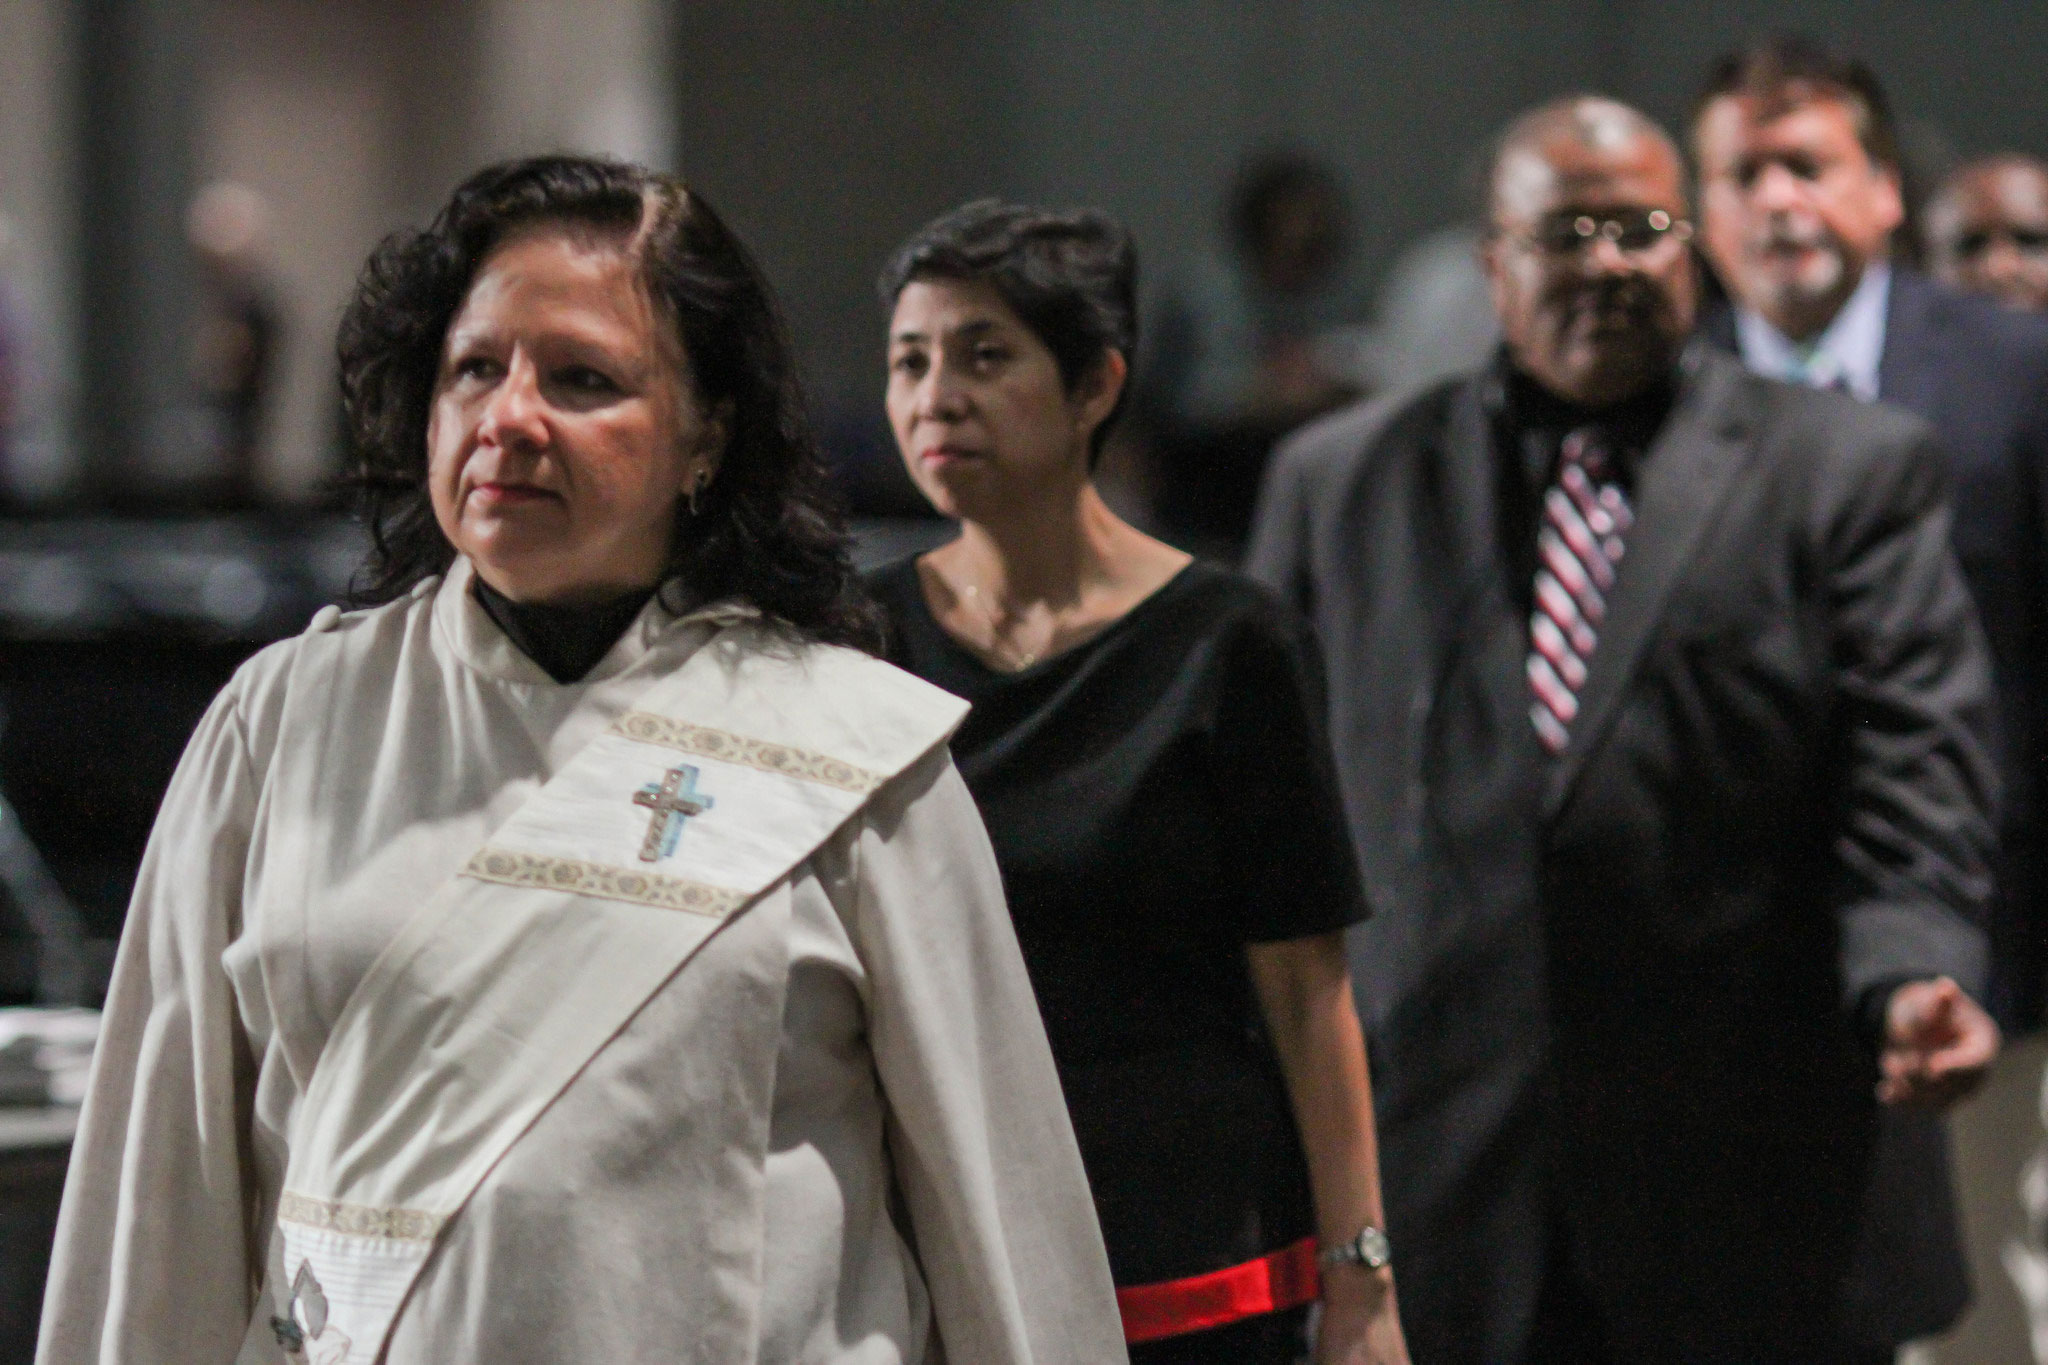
{"x": 697, "y": 485}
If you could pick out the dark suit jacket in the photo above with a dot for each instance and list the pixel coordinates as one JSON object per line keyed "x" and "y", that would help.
{"x": 1979, "y": 375}
{"x": 1614, "y": 992}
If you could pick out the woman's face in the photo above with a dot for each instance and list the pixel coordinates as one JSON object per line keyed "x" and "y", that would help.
{"x": 565, "y": 428}
{"x": 977, "y": 404}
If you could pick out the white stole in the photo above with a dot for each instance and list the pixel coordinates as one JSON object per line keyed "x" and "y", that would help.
{"x": 723, "y": 778}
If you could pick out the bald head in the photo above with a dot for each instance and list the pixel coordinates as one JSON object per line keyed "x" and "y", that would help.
{"x": 1987, "y": 230}
{"x": 1562, "y": 137}
{"x": 1586, "y": 257}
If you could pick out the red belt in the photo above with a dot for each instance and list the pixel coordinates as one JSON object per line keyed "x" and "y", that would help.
{"x": 1278, "y": 1280}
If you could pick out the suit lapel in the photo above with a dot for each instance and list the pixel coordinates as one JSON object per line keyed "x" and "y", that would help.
{"x": 1683, "y": 483}
{"x": 1468, "y": 475}
{"x": 1717, "y": 327}
{"x": 1912, "y": 318}
{"x": 1470, "y": 601}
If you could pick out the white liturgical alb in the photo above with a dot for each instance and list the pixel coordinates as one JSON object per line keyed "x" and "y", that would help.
{"x": 672, "y": 1015}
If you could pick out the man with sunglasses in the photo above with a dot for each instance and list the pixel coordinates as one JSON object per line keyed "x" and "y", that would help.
{"x": 1661, "y": 712}
{"x": 1987, "y": 230}
{"x": 1800, "y": 199}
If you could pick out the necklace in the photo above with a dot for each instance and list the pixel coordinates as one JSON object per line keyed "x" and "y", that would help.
{"x": 1018, "y": 659}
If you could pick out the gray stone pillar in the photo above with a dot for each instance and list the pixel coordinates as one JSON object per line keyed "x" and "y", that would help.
{"x": 594, "y": 76}
{"x": 136, "y": 114}
{"x": 37, "y": 257}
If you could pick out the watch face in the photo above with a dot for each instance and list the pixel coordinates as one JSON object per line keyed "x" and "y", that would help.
{"x": 1374, "y": 1249}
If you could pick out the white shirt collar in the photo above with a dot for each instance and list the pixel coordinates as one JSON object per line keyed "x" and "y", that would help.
{"x": 1851, "y": 348}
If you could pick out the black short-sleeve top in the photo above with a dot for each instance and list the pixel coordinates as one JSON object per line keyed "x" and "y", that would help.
{"x": 1159, "y": 796}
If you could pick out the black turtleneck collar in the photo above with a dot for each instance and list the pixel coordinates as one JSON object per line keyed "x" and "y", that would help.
{"x": 566, "y": 642}
{"x": 1535, "y": 420}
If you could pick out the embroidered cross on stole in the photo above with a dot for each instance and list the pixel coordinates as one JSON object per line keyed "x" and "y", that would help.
{"x": 673, "y": 800}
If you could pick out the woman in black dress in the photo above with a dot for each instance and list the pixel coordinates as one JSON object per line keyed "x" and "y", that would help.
{"x": 1147, "y": 749}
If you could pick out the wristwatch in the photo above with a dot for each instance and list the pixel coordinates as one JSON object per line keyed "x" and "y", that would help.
{"x": 1370, "y": 1248}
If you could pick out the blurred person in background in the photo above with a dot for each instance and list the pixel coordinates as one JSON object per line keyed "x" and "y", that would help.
{"x": 1147, "y": 748}
{"x": 588, "y": 953}
{"x": 1987, "y": 230}
{"x": 1433, "y": 314}
{"x": 1799, "y": 198}
{"x": 1987, "y": 233}
{"x": 1663, "y": 720}
{"x": 237, "y": 341}
{"x": 1238, "y": 359}
{"x": 1433, "y": 317}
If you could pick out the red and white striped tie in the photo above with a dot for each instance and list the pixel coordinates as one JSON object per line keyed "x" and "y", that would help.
{"x": 1578, "y": 552}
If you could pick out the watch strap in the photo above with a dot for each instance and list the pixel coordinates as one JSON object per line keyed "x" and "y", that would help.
{"x": 1369, "y": 1248}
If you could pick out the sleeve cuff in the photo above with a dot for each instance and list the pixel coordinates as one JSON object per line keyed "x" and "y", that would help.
{"x": 1872, "y": 1005}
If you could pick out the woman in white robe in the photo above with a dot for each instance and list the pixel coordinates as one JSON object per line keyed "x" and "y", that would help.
{"x": 830, "y": 1131}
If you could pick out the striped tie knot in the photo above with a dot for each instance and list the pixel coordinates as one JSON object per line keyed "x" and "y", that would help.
{"x": 1584, "y": 449}
{"x": 1586, "y": 517}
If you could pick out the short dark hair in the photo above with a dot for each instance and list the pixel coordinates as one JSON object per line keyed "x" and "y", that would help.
{"x": 767, "y": 533}
{"x": 1789, "y": 67}
{"x": 1070, "y": 275}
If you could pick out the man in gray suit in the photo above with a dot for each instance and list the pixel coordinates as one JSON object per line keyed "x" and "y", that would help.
{"x": 1661, "y": 710}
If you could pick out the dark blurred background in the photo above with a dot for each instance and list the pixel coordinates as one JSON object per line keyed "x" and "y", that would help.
{"x": 187, "y": 188}
{"x": 825, "y": 128}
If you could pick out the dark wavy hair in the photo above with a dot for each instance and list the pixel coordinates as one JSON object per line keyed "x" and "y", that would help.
{"x": 767, "y": 533}
{"x": 1070, "y": 276}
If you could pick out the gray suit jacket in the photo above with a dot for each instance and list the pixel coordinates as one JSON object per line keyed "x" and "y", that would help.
{"x": 1612, "y": 996}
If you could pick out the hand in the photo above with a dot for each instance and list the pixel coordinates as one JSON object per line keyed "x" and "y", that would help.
{"x": 1361, "y": 1324}
{"x": 1937, "y": 1045}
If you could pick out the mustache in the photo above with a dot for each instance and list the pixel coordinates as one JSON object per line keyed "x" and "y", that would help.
{"x": 1783, "y": 236}
{"x": 1633, "y": 295}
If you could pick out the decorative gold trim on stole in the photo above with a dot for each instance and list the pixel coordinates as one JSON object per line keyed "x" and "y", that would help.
{"x": 780, "y": 759}
{"x": 578, "y": 878}
{"x": 359, "y": 1220}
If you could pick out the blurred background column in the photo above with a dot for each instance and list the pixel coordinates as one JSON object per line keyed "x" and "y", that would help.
{"x": 37, "y": 246}
{"x": 596, "y": 76}
{"x": 136, "y": 117}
